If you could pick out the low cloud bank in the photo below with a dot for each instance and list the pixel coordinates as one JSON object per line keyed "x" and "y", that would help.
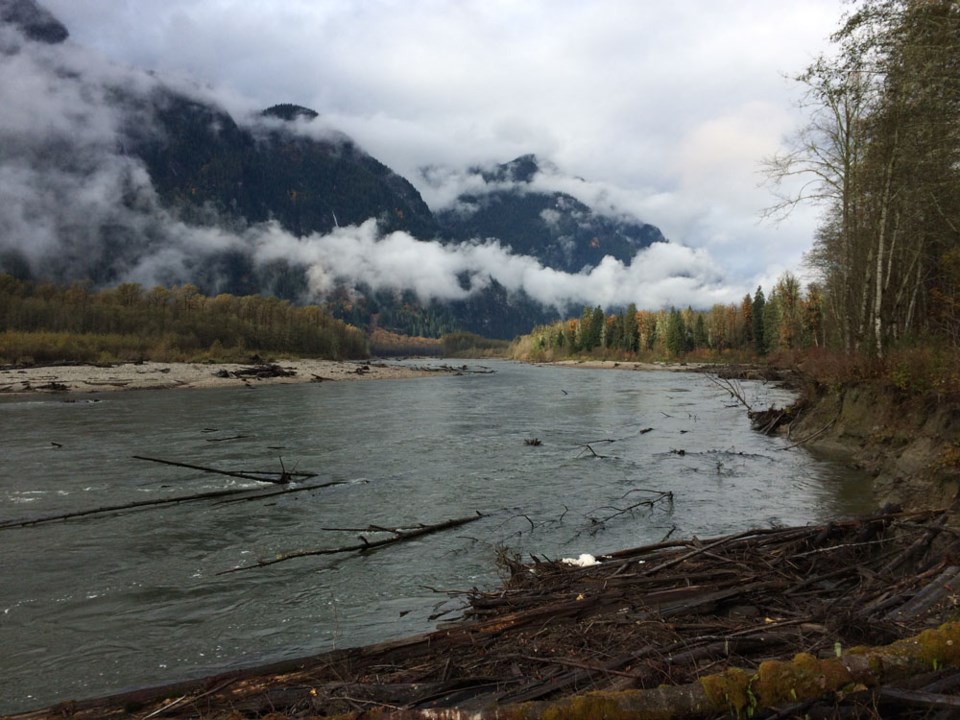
{"x": 660, "y": 275}
{"x": 75, "y": 205}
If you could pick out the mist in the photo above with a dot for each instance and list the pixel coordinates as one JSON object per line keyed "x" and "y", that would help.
{"x": 75, "y": 205}
{"x": 658, "y": 276}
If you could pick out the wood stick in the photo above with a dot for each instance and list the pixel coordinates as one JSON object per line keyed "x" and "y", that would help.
{"x": 943, "y": 585}
{"x": 288, "y": 473}
{"x": 368, "y": 528}
{"x": 140, "y": 504}
{"x": 283, "y": 477}
{"x": 920, "y": 545}
{"x": 284, "y": 491}
{"x": 699, "y": 551}
{"x": 125, "y": 506}
{"x": 364, "y": 545}
{"x": 919, "y": 699}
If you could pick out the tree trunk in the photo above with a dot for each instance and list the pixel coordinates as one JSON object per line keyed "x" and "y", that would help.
{"x": 878, "y": 315}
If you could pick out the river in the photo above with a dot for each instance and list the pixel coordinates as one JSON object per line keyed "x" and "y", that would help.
{"x": 100, "y": 604}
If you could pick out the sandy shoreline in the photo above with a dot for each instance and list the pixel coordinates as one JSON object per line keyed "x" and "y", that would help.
{"x": 154, "y": 375}
{"x": 49, "y": 379}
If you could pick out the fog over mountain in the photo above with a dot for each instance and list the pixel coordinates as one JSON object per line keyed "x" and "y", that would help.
{"x": 113, "y": 174}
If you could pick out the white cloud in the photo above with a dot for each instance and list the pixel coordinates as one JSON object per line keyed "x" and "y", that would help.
{"x": 663, "y": 274}
{"x": 68, "y": 184}
{"x": 664, "y": 109}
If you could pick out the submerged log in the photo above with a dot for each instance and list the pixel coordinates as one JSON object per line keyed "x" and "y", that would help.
{"x": 270, "y": 476}
{"x": 399, "y": 535}
{"x": 249, "y": 494}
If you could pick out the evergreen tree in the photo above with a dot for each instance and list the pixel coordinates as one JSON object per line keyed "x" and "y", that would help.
{"x": 613, "y": 331}
{"x": 676, "y": 338}
{"x": 700, "y": 337}
{"x": 630, "y": 341}
{"x": 597, "y": 322}
{"x": 772, "y": 321}
{"x": 591, "y": 328}
{"x": 759, "y": 341}
{"x": 746, "y": 312}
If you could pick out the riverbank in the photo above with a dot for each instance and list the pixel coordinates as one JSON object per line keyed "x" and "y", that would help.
{"x": 910, "y": 444}
{"x": 155, "y": 375}
{"x": 81, "y": 377}
{"x": 86, "y": 378}
{"x": 686, "y": 628}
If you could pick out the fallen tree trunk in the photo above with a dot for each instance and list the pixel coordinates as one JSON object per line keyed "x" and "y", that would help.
{"x": 399, "y": 536}
{"x": 141, "y": 504}
{"x": 282, "y": 478}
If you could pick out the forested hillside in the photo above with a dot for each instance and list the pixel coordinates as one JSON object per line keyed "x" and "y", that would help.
{"x": 199, "y": 157}
{"x": 554, "y": 227}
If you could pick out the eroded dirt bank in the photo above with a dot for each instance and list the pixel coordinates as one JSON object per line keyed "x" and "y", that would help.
{"x": 910, "y": 445}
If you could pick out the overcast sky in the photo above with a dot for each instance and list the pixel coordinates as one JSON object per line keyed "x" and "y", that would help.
{"x": 665, "y": 109}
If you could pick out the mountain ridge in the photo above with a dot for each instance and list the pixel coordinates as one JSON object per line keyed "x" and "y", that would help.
{"x": 197, "y": 193}
{"x": 552, "y": 226}
{"x": 34, "y": 21}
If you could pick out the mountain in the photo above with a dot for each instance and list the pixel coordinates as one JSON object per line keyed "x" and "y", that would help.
{"x": 198, "y": 156}
{"x": 554, "y": 227}
{"x": 111, "y": 175}
{"x": 34, "y": 21}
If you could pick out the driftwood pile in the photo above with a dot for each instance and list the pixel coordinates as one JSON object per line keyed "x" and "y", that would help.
{"x": 260, "y": 371}
{"x": 688, "y": 628}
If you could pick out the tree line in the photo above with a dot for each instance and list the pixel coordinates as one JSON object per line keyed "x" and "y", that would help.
{"x": 787, "y": 318}
{"x": 47, "y": 322}
{"x": 880, "y": 154}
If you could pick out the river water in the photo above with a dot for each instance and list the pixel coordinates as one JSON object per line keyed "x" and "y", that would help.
{"x": 105, "y": 603}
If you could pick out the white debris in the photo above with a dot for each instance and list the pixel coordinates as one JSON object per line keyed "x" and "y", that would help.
{"x": 585, "y": 560}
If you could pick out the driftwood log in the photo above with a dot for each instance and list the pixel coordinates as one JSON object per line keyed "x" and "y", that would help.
{"x": 399, "y": 535}
{"x": 234, "y": 495}
{"x": 269, "y": 476}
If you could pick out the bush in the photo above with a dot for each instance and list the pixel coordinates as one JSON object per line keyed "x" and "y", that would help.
{"x": 923, "y": 371}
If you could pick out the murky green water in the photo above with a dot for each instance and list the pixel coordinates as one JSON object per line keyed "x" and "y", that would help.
{"x": 105, "y": 603}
